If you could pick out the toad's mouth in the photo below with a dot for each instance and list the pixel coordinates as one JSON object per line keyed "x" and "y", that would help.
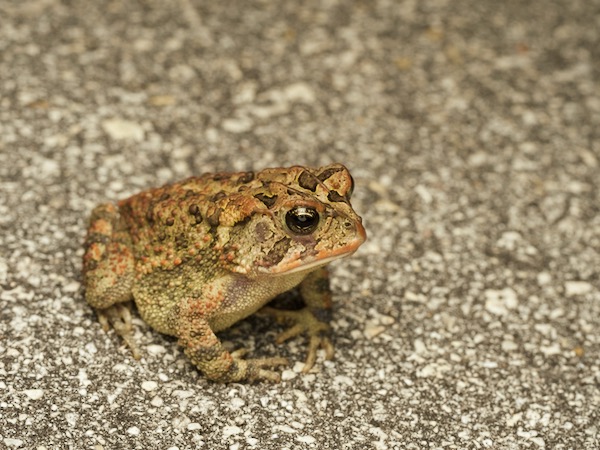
{"x": 301, "y": 266}
{"x": 299, "y": 261}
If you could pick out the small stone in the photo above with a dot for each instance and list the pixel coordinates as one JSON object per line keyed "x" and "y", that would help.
{"x": 240, "y": 125}
{"x": 298, "y": 366}
{"x": 489, "y": 364}
{"x": 433, "y": 369}
{"x": 34, "y": 394}
{"x": 573, "y": 288}
{"x": 246, "y": 93}
{"x": 212, "y": 135}
{"x": 180, "y": 422}
{"x": 545, "y": 328}
{"x": 134, "y": 431}
{"x": 514, "y": 419}
{"x": 419, "y": 347}
{"x": 231, "y": 431}
{"x": 3, "y": 270}
{"x": 556, "y": 313}
{"x": 538, "y": 441}
{"x": 306, "y": 439}
{"x": 156, "y": 349}
{"x": 237, "y": 402}
{"x": 387, "y": 320}
{"x": 341, "y": 379}
{"x": 427, "y": 371}
{"x": 91, "y": 348}
{"x": 424, "y": 193}
{"x": 300, "y": 92}
{"x": 509, "y": 240}
{"x": 550, "y": 350}
{"x": 72, "y": 418}
{"x": 509, "y": 346}
{"x": 149, "y": 385}
{"x": 120, "y": 129}
{"x": 13, "y": 442}
{"x": 180, "y": 393}
{"x": 415, "y": 297}
{"x": 289, "y": 374}
{"x": 285, "y": 429}
{"x": 544, "y": 278}
{"x": 372, "y": 330}
{"x": 499, "y": 302}
{"x": 162, "y": 100}
{"x": 71, "y": 287}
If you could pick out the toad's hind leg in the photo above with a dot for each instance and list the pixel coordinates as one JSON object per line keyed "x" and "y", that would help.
{"x": 207, "y": 353}
{"x": 108, "y": 271}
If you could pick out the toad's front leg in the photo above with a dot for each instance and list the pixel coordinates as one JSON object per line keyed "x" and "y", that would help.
{"x": 207, "y": 353}
{"x": 313, "y": 319}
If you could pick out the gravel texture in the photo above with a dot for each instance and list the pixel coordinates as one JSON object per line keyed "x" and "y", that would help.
{"x": 471, "y": 317}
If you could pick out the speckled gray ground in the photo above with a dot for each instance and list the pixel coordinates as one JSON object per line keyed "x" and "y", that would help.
{"x": 471, "y": 317}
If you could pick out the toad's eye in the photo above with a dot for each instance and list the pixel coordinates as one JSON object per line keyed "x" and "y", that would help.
{"x": 302, "y": 220}
{"x": 351, "y": 189}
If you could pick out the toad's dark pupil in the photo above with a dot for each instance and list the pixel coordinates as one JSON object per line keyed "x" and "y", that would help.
{"x": 302, "y": 220}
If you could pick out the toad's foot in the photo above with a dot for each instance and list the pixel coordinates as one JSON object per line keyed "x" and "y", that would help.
{"x": 304, "y": 321}
{"x": 118, "y": 316}
{"x": 254, "y": 369}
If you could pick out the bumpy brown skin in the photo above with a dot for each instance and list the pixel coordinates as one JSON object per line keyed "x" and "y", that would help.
{"x": 199, "y": 255}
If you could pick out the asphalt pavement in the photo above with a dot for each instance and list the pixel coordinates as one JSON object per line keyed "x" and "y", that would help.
{"x": 470, "y": 319}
